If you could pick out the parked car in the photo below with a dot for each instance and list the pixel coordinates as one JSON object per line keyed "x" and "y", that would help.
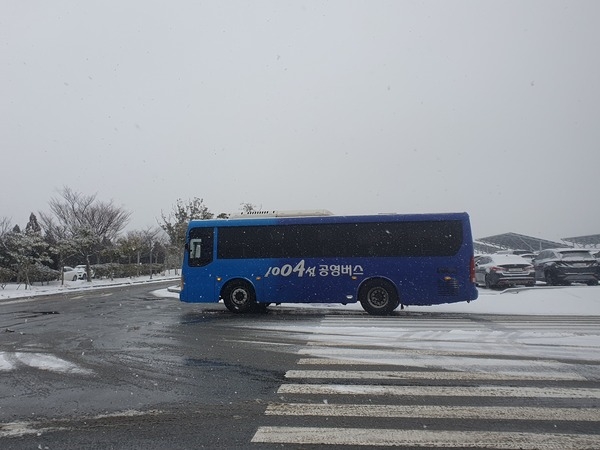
{"x": 513, "y": 252}
{"x": 70, "y": 274}
{"x": 501, "y": 270}
{"x": 565, "y": 266}
{"x": 528, "y": 256}
{"x": 82, "y": 273}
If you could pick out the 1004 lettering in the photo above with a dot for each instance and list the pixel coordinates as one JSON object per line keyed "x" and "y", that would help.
{"x": 323, "y": 270}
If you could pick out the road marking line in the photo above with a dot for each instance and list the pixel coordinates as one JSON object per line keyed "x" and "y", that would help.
{"x": 435, "y": 412}
{"x": 334, "y": 362}
{"x": 420, "y": 438}
{"x": 549, "y": 369}
{"x": 446, "y": 391}
{"x": 397, "y": 375}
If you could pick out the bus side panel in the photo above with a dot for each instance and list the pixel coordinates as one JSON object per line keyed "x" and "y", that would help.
{"x": 434, "y": 280}
{"x": 199, "y": 285}
{"x": 420, "y": 281}
{"x": 228, "y": 270}
{"x": 310, "y": 280}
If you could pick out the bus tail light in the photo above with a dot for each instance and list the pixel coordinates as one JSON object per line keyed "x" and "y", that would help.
{"x": 472, "y": 269}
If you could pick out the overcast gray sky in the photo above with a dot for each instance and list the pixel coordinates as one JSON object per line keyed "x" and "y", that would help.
{"x": 359, "y": 107}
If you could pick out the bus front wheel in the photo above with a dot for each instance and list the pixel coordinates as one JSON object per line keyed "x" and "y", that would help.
{"x": 239, "y": 296}
{"x": 379, "y": 297}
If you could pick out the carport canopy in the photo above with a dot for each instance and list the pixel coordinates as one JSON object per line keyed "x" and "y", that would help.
{"x": 593, "y": 240}
{"x": 514, "y": 241}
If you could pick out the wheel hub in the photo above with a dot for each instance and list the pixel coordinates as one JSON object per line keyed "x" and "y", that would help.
{"x": 378, "y": 297}
{"x": 239, "y": 296}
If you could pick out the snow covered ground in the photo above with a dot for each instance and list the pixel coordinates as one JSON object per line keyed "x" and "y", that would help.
{"x": 540, "y": 300}
{"x": 14, "y": 291}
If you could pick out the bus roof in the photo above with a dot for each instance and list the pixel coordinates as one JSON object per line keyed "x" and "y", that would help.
{"x": 290, "y": 213}
{"x": 322, "y": 219}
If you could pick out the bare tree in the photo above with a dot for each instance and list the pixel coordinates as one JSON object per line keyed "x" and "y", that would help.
{"x": 131, "y": 245}
{"x": 85, "y": 221}
{"x": 151, "y": 236}
{"x": 61, "y": 244}
{"x": 136, "y": 243}
{"x": 4, "y": 226}
{"x": 248, "y": 208}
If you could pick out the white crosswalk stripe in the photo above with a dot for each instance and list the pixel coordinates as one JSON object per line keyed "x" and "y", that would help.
{"x": 436, "y": 412}
{"x": 441, "y": 391}
{"x": 395, "y": 375}
{"x": 344, "y": 373}
{"x": 425, "y": 438}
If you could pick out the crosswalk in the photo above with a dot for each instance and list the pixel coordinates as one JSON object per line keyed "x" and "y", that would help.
{"x": 357, "y": 384}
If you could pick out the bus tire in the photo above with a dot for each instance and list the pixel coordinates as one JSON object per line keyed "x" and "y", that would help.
{"x": 239, "y": 296}
{"x": 378, "y": 297}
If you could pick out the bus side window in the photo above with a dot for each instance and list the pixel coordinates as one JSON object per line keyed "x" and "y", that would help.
{"x": 195, "y": 248}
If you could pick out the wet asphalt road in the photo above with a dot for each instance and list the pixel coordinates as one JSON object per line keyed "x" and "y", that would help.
{"x": 143, "y": 372}
{"x": 125, "y": 369}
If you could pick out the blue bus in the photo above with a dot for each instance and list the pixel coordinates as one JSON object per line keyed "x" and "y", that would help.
{"x": 381, "y": 261}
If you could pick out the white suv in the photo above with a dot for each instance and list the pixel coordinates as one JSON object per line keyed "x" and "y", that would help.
{"x": 80, "y": 269}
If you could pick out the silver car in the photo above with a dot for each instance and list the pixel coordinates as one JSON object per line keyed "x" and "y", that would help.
{"x": 503, "y": 270}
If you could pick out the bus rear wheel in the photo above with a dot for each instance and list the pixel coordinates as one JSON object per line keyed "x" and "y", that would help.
{"x": 239, "y": 296}
{"x": 378, "y": 297}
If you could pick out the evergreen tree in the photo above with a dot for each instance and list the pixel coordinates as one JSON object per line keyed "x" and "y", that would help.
{"x": 33, "y": 226}
{"x": 27, "y": 252}
{"x": 4, "y": 232}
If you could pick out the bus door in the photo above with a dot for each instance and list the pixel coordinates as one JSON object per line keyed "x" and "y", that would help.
{"x": 200, "y": 254}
